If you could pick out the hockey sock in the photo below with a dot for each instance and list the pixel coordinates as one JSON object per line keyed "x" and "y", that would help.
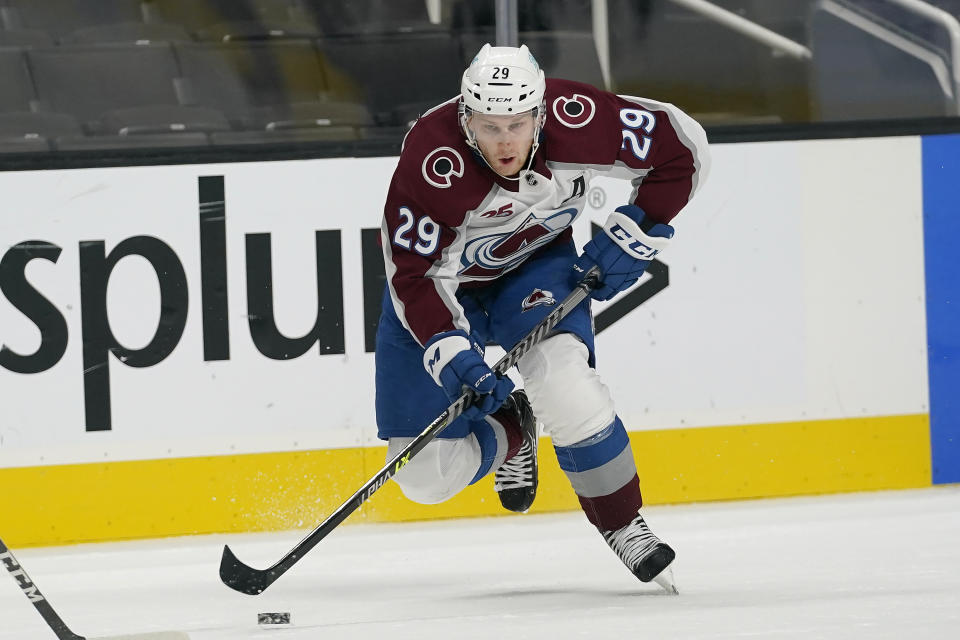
{"x": 500, "y": 437}
{"x": 604, "y": 476}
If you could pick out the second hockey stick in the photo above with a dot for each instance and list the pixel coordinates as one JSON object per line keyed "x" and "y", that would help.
{"x": 246, "y": 579}
{"x": 36, "y": 598}
{"x": 51, "y": 617}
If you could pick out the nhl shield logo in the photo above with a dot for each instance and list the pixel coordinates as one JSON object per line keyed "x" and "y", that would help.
{"x": 539, "y": 298}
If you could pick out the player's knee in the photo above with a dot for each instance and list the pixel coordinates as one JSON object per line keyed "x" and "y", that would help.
{"x": 567, "y": 395}
{"x": 440, "y": 471}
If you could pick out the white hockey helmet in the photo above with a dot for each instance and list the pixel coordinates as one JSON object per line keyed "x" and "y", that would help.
{"x": 503, "y": 81}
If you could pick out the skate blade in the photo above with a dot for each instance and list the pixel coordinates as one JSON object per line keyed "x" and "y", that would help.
{"x": 666, "y": 582}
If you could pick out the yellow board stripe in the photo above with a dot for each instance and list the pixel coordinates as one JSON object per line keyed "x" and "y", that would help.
{"x": 297, "y": 490}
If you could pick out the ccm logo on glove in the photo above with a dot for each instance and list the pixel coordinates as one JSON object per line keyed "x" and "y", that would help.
{"x": 625, "y": 231}
{"x": 633, "y": 245}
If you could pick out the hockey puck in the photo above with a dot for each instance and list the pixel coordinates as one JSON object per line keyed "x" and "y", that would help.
{"x": 274, "y": 618}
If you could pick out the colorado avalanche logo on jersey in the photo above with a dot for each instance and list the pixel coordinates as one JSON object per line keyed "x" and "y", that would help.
{"x": 440, "y": 164}
{"x": 574, "y": 112}
{"x": 488, "y": 256}
{"x": 539, "y": 298}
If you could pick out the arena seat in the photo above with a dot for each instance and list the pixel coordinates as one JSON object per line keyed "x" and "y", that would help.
{"x": 853, "y": 69}
{"x": 479, "y": 16}
{"x": 197, "y": 15}
{"x": 127, "y": 32}
{"x": 59, "y": 17}
{"x": 29, "y": 124}
{"x": 28, "y": 132}
{"x": 18, "y": 93}
{"x": 257, "y": 30}
{"x": 319, "y": 134}
{"x": 272, "y": 84}
{"x": 87, "y": 81}
{"x": 368, "y": 17}
{"x": 724, "y": 76}
{"x": 157, "y": 141}
{"x": 19, "y": 144}
{"x": 386, "y": 67}
{"x": 25, "y": 38}
{"x": 163, "y": 119}
{"x": 326, "y": 113}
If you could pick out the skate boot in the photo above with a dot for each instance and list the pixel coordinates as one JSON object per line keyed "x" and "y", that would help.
{"x": 516, "y": 480}
{"x": 645, "y": 555}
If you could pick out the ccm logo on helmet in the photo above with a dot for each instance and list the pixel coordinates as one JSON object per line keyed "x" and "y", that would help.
{"x": 574, "y": 112}
{"x": 440, "y": 164}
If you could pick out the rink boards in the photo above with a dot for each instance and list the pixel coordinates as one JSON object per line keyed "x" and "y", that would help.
{"x": 186, "y": 349}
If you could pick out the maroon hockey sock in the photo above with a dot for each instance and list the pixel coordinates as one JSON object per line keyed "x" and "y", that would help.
{"x": 616, "y": 510}
{"x": 603, "y": 474}
{"x": 508, "y": 419}
{"x": 498, "y": 431}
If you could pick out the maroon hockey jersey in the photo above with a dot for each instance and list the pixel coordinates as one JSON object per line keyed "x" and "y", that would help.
{"x": 450, "y": 219}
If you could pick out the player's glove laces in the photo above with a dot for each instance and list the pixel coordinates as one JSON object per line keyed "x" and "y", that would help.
{"x": 623, "y": 251}
{"x": 644, "y": 553}
{"x": 456, "y": 362}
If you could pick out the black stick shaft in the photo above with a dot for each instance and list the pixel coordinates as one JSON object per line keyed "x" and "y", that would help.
{"x": 34, "y": 596}
{"x": 246, "y": 579}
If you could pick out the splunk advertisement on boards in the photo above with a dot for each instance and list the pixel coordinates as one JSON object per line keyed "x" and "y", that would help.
{"x": 184, "y": 310}
{"x": 173, "y": 311}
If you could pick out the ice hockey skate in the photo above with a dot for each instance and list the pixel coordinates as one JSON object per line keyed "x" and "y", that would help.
{"x": 644, "y": 554}
{"x": 516, "y": 480}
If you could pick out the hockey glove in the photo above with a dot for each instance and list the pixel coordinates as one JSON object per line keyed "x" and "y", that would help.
{"x": 623, "y": 251}
{"x": 455, "y": 361}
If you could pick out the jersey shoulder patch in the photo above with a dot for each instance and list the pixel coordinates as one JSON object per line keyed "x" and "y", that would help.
{"x": 434, "y": 149}
{"x": 441, "y": 166}
{"x": 572, "y": 104}
{"x": 573, "y": 109}
{"x": 437, "y": 168}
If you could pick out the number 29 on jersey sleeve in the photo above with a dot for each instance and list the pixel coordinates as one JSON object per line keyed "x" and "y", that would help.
{"x": 424, "y": 241}
{"x": 634, "y": 119}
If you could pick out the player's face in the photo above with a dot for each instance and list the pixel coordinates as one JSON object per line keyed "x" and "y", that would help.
{"x": 505, "y": 141}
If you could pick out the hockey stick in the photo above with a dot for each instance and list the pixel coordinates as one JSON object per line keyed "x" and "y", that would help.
{"x": 34, "y": 596}
{"x": 246, "y": 579}
{"x": 50, "y": 616}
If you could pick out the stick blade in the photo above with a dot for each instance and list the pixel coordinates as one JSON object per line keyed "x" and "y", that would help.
{"x": 241, "y": 577}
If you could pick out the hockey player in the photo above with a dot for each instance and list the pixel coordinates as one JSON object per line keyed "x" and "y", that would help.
{"x": 477, "y": 246}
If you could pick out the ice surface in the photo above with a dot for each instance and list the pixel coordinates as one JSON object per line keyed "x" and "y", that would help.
{"x": 868, "y": 565}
